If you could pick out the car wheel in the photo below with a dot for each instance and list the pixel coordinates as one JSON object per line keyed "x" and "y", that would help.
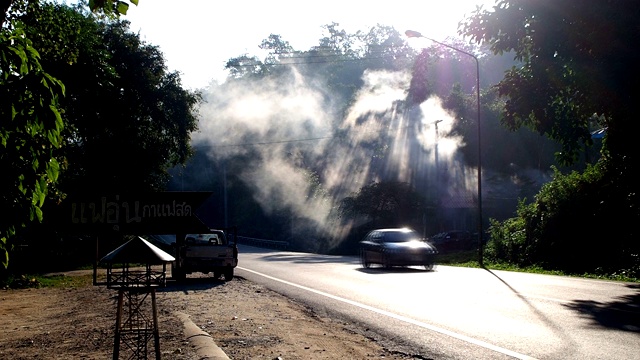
{"x": 363, "y": 260}
{"x": 228, "y": 274}
{"x": 385, "y": 261}
{"x": 428, "y": 267}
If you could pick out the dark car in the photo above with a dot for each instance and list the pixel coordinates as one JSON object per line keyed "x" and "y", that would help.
{"x": 454, "y": 240}
{"x": 396, "y": 247}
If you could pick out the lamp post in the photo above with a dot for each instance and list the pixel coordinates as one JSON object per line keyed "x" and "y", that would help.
{"x": 415, "y": 34}
{"x": 437, "y": 173}
{"x": 437, "y": 177}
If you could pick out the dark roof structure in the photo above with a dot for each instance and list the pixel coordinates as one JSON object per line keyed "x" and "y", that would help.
{"x": 138, "y": 250}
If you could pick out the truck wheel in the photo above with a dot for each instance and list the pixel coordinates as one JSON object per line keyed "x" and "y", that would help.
{"x": 178, "y": 275}
{"x": 228, "y": 274}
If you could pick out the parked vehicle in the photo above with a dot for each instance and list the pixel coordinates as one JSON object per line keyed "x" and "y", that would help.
{"x": 396, "y": 247}
{"x": 214, "y": 252}
{"x": 454, "y": 240}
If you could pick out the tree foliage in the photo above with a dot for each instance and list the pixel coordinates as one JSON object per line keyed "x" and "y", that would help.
{"x": 339, "y": 59}
{"x": 386, "y": 204}
{"x": 128, "y": 119}
{"x": 558, "y": 229}
{"x": 576, "y": 61}
{"x": 29, "y": 134}
{"x": 577, "y": 70}
{"x": 30, "y": 128}
{"x": 42, "y": 131}
{"x": 113, "y": 8}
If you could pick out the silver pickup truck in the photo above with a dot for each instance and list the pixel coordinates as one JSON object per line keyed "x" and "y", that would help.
{"x": 214, "y": 252}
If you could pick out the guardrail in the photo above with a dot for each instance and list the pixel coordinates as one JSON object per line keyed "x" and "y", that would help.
{"x": 271, "y": 244}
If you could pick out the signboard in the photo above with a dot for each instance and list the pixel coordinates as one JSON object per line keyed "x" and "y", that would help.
{"x": 133, "y": 214}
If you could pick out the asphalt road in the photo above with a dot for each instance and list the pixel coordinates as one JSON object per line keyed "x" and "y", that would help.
{"x": 460, "y": 313}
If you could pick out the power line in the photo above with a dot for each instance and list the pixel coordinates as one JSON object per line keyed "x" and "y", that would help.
{"x": 295, "y": 140}
{"x": 273, "y": 142}
{"x": 308, "y": 62}
{"x": 330, "y": 58}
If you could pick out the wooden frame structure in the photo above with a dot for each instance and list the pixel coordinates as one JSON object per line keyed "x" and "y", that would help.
{"x": 136, "y": 269}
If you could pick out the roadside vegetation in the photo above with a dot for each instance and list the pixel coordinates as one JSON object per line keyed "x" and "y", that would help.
{"x": 470, "y": 259}
{"x": 42, "y": 280}
{"x": 563, "y": 229}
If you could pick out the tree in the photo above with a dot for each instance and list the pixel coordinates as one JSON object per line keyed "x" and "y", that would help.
{"x": 129, "y": 120}
{"x": 576, "y": 61}
{"x": 111, "y": 7}
{"x": 31, "y": 123}
{"x": 386, "y": 204}
{"x": 577, "y": 66}
{"x": 30, "y": 129}
{"x": 383, "y": 47}
{"x": 29, "y": 134}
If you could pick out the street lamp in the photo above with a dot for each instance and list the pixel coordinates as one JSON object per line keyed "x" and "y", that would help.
{"x": 415, "y": 34}
{"x": 437, "y": 174}
{"x": 437, "y": 177}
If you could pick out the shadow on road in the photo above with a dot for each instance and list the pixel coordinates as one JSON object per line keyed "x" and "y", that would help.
{"x": 557, "y": 330}
{"x": 622, "y": 313}
{"x": 191, "y": 284}
{"x": 311, "y": 259}
{"x": 395, "y": 269}
{"x": 248, "y": 249}
{"x": 282, "y": 255}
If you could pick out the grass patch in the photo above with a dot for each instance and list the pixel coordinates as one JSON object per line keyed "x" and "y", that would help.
{"x": 64, "y": 281}
{"x": 470, "y": 259}
{"x": 460, "y": 258}
{"x": 52, "y": 281}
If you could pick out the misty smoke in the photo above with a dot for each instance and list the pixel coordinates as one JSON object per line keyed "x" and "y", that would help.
{"x": 292, "y": 130}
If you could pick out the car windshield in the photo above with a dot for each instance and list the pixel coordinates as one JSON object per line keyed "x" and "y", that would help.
{"x": 204, "y": 238}
{"x": 400, "y": 236}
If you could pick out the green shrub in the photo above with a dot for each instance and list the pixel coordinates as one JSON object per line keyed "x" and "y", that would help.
{"x": 578, "y": 223}
{"x": 509, "y": 239}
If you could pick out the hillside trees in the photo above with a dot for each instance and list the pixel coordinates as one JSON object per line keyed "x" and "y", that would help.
{"x": 386, "y": 204}
{"x": 338, "y": 65}
{"x": 334, "y": 67}
{"x": 338, "y": 61}
{"x": 578, "y": 70}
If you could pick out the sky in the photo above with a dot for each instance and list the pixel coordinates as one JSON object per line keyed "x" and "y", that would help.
{"x": 197, "y": 37}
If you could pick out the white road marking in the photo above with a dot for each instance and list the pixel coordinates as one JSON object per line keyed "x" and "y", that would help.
{"x": 403, "y": 318}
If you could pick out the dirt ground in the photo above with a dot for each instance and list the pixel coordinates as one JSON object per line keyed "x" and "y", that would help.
{"x": 246, "y": 320}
